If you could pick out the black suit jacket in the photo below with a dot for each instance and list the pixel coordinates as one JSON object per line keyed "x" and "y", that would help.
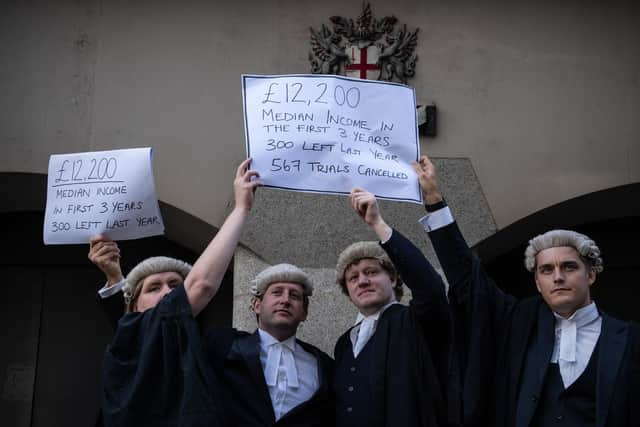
{"x": 410, "y": 350}
{"x": 235, "y": 355}
{"x": 504, "y": 347}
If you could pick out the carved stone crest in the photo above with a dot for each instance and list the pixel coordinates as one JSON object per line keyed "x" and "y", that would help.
{"x": 366, "y": 48}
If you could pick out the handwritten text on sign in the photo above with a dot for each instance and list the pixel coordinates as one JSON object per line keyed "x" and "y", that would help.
{"x": 330, "y": 134}
{"x": 109, "y": 192}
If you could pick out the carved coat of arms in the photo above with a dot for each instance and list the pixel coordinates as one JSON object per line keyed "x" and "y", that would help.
{"x": 367, "y": 48}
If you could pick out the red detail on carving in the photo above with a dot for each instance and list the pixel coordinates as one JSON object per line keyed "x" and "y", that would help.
{"x": 362, "y": 66}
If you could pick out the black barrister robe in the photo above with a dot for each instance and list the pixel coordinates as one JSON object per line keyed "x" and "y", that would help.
{"x": 410, "y": 346}
{"x": 505, "y": 347}
{"x": 236, "y": 356}
{"x": 155, "y": 373}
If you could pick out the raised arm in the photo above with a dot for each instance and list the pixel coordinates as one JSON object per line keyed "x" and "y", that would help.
{"x": 105, "y": 254}
{"x": 479, "y": 308}
{"x": 452, "y": 250}
{"x": 205, "y": 277}
{"x": 461, "y": 267}
{"x": 366, "y": 206}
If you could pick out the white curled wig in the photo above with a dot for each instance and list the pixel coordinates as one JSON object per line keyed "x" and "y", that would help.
{"x": 586, "y": 247}
{"x": 280, "y": 273}
{"x": 358, "y": 251}
{"x": 153, "y": 265}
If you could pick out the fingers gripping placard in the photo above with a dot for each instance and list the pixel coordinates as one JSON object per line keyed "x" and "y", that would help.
{"x": 329, "y": 134}
{"x": 108, "y": 192}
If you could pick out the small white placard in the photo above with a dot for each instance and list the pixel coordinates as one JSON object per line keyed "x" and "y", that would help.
{"x": 329, "y": 134}
{"x": 108, "y": 192}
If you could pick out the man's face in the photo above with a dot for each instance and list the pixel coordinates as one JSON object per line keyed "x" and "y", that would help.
{"x": 154, "y": 287}
{"x": 281, "y": 309}
{"x": 563, "y": 279}
{"x": 369, "y": 285}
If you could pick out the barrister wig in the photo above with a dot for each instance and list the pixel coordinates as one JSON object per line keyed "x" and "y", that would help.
{"x": 358, "y": 251}
{"x": 153, "y": 265}
{"x": 280, "y": 273}
{"x": 586, "y": 247}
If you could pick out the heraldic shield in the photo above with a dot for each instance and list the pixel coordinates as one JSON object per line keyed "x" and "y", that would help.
{"x": 367, "y": 48}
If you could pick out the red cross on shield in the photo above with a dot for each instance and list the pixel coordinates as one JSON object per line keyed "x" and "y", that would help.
{"x": 363, "y": 62}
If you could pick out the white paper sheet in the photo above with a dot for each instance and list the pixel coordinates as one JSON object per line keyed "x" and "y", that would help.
{"x": 329, "y": 134}
{"x": 108, "y": 192}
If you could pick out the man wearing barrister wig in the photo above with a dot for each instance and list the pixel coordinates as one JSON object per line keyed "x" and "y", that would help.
{"x": 154, "y": 371}
{"x": 160, "y": 371}
{"x": 391, "y": 367}
{"x": 272, "y": 378}
{"x": 554, "y": 359}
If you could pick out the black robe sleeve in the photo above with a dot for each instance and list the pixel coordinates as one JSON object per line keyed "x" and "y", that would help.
{"x": 421, "y": 341}
{"x": 155, "y": 373}
{"x": 429, "y": 301}
{"x": 481, "y": 313}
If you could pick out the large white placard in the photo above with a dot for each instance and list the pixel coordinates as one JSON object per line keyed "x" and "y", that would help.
{"x": 108, "y": 192}
{"x": 329, "y": 134}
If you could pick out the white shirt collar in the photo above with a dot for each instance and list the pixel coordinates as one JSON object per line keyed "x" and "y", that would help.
{"x": 581, "y": 316}
{"x": 375, "y": 316}
{"x": 267, "y": 340}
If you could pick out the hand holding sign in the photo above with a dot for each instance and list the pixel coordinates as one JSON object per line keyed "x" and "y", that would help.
{"x": 110, "y": 192}
{"x": 329, "y": 134}
{"x": 105, "y": 254}
{"x": 366, "y": 206}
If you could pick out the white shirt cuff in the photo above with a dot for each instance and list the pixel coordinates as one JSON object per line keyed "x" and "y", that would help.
{"x": 436, "y": 219}
{"x": 388, "y": 238}
{"x": 106, "y": 292}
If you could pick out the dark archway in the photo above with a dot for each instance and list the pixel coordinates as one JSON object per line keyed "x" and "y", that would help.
{"x": 52, "y": 330}
{"x": 611, "y": 217}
